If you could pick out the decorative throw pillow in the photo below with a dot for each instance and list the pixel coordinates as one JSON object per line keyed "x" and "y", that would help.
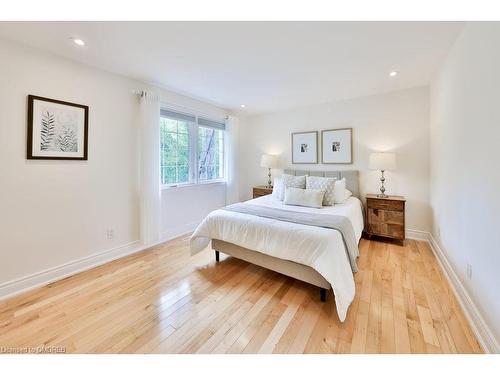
{"x": 322, "y": 183}
{"x": 278, "y": 187}
{"x": 339, "y": 191}
{"x": 304, "y": 197}
{"x": 298, "y": 182}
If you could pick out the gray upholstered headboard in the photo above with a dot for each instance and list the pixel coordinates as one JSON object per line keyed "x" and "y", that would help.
{"x": 351, "y": 177}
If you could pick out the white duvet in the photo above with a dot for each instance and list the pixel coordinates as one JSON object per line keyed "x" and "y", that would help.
{"x": 320, "y": 248}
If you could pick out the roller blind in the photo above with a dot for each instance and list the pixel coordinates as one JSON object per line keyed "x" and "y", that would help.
{"x": 211, "y": 124}
{"x": 177, "y": 115}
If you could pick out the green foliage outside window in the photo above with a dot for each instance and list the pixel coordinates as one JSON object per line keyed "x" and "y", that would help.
{"x": 174, "y": 152}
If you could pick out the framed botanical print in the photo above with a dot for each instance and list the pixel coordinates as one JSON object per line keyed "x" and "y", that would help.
{"x": 305, "y": 148}
{"x": 57, "y": 129}
{"x": 336, "y": 146}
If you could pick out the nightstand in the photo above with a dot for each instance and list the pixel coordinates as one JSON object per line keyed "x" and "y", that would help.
{"x": 385, "y": 217}
{"x": 261, "y": 190}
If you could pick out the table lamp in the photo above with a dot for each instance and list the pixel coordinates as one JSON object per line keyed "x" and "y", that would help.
{"x": 382, "y": 161}
{"x": 269, "y": 161}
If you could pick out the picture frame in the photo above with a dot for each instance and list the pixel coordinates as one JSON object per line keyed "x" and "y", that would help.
{"x": 305, "y": 147}
{"x": 336, "y": 146}
{"x": 57, "y": 130}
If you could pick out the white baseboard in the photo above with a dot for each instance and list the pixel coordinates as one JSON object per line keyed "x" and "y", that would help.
{"x": 42, "y": 278}
{"x": 178, "y": 231}
{"x": 483, "y": 334}
{"x": 417, "y": 235}
{"x": 39, "y": 279}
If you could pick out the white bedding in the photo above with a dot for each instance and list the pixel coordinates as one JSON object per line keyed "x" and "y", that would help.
{"x": 320, "y": 248}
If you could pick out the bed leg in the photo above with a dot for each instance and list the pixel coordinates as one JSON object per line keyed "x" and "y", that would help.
{"x": 322, "y": 294}
{"x": 217, "y": 256}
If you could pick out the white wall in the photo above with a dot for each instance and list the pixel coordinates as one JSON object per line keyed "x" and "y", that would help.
{"x": 183, "y": 208}
{"x": 396, "y": 122}
{"x": 465, "y": 169}
{"x": 55, "y": 212}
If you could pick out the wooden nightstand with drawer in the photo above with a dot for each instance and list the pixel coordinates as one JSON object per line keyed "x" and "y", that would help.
{"x": 259, "y": 191}
{"x": 385, "y": 217}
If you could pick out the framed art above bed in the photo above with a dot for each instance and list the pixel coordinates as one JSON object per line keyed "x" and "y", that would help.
{"x": 336, "y": 146}
{"x": 305, "y": 147}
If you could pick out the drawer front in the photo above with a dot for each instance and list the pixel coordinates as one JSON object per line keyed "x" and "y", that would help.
{"x": 257, "y": 194}
{"x": 260, "y": 192}
{"x": 386, "y": 223}
{"x": 386, "y": 204}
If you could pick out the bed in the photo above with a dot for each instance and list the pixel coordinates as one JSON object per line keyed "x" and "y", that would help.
{"x": 316, "y": 254}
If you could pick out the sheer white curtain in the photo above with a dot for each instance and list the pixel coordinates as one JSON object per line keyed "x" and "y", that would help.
{"x": 232, "y": 171}
{"x": 149, "y": 138}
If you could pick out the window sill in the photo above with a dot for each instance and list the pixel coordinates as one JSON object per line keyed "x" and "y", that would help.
{"x": 193, "y": 185}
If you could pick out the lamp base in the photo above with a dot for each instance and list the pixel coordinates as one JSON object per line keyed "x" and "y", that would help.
{"x": 382, "y": 188}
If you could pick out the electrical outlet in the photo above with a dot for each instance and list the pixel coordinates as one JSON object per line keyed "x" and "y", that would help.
{"x": 469, "y": 271}
{"x": 110, "y": 233}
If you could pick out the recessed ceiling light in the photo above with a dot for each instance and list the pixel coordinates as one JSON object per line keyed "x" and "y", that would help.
{"x": 393, "y": 73}
{"x": 243, "y": 106}
{"x": 78, "y": 42}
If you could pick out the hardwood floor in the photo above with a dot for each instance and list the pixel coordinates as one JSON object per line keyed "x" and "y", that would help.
{"x": 164, "y": 301}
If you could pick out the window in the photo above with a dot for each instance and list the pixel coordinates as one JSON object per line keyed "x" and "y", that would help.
{"x": 174, "y": 151}
{"x": 187, "y": 144}
{"x": 210, "y": 154}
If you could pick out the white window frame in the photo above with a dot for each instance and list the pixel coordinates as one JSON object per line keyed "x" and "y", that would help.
{"x": 193, "y": 151}
{"x": 197, "y": 162}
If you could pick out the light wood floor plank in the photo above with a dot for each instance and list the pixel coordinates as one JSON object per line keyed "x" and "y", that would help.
{"x": 232, "y": 335}
{"x": 291, "y": 331}
{"x": 293, "y": 304}
{"x": 163, "y": 300}
{"x": 401, "y": 336}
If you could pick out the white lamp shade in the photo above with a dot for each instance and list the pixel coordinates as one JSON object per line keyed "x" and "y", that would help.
{"x": 268, "y": 161}
{"x": 382, "y": 161}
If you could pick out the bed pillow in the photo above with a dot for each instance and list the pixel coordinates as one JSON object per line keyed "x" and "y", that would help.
{"x": 322, "y": 183}
{"x": 304, "y": 197}
{"x": 278, "y": 188}
{"x": 298, "y": 182}
{"x": 339, "y": 191}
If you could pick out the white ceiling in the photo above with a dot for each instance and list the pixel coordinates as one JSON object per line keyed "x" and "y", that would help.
{"x": 268, "y": 66}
